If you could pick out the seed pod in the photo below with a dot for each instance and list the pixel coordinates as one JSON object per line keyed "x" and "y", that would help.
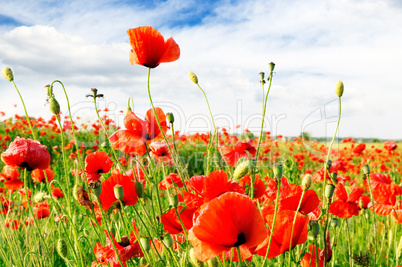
{"x": 167, "y": 240}
{"x": 306, "y": 182}
{"x": 118, "y": 192}
{"x": 277, "y": 171}
{"x": 329, "y": 190}
{"x": 314, "y": 228}
{"x": 146, "y": 244}
{"x": 8, "y": 74}
{"x": 173, "y": 200}
{"x": 170, "y": 117}
{"x": 61, "y": 248}
{"x": 271, "y": 66}
{"x": 334, "y": 222}
{"x": 366, "y": 169}
{"x": 139, "y": 189}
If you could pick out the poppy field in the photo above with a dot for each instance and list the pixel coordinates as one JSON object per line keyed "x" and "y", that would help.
{"x": 145, "y": 194}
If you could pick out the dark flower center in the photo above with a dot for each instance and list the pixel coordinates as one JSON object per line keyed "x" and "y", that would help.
{"x": 124, "y": 241}
{"x": 25, "y": 165}
{"x": 100, "y": 171}
{"x": 241, "y": 239}
{"x": 146, "y": 136}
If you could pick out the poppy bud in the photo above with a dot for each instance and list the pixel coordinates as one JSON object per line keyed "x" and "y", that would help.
{"x": 339, "y": 88}
{"x": 213, "y": 262}
{"x": 306, "y": 182}
{"x": 145, "y": 243}
{"x": 167, "y": 240}
{"x": 97, "y": 190}
{"x": 139, "y": 189}
{"x": 173, "y": 200}
{"x": 329, "y": 164}
{"x": 271, "y": 66}
{"x": 170, "y": 117}
{"x": 118, "y": 192}
{"x": 40, "y": 197}
{"x": 54, "y": 106}
{"x": 334, "y": 175}
{"x": 242, "y": 169}
{"x": 329, "y": 190}
{"x": 128, "y": 109}
{"x": 8, "y": 74}
{"x": 315, "y": 228}
{"x": 194, "y": 260}
{"x": 277, "y": 171}
{"x": 334, "y": 222}
{"x": 193, "y": 77}
{"x": 85, "y": 232}
{"x": 61, "y": 248}
{"x": 366, "y": 169}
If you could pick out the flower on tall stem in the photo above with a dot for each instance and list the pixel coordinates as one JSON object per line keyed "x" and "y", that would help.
{"x": 233, "y": 154}
{"x": 96, "y": 163}
{"x": 38, "y": 175}
{"x": 149, "y": 48}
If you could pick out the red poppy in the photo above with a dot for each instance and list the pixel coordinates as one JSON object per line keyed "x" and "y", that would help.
{"x": 171, "y": 223}
{"x": 96, "y": 163}
{"x": 346, "y": 206}
{"x": 311, "y": 261}
{"x": 41, "y": 210}
{"x": 282, "y": 233}
{"x": 358, "y": 150}
{"x": 160, "y": 152}
{"x": 38, "y": 176}
{"x": 126, "y": 249}
{"x": 259, "y": 186}
{"x": 107, "y": 197}
{"x": 233, "y": 154}
{"x": 9, "y": 177}
{"x": 57, "y": 193}
{"x": 149, "y": 48}
{"x": 136, "y": 174}
{"x": 133, "y": 140}
{"x": 390, "y": 146}
{"x": 172, "y": 180}
{"x": 26, "y": 153}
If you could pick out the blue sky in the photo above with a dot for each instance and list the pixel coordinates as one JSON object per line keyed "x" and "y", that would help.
{"x": 314, "y": 44}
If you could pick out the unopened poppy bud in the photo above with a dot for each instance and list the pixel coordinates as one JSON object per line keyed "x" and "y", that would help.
{"x": 85, "y": 232}
{"x": 213, "y": 262}
{"x": 307, "y": 181}
{"x": 118, "y": 192}
{"x": 170, "y": 117}
{"x": 139, "y": 189}
{"x": 277, "y": 171}
{"x": 167, "y": 240}
{"x": 329, "y": 190}
{"x": 334, "y": 175}
{"x": 194, "y": 260}
{"x": 193, "y": 77}
{"x": 54, "y": 106}
{"x": 334, "y": 222}
{"x": 271, "y": 66}
{"x": 8, "y": 74}
{"x": 128, "y": 109}
{"x": 339, "y": 88}
{"x": 329, "y": 164}
{"x": 40, "y": 197}
{"x": 145, "y": 243}
{"x": 173, "y": 200}
{"x": 61, "y": 248}
{"x": 315, "y": 228}
{"x": 366, "y": 169}
{"x": 242, "y": 169}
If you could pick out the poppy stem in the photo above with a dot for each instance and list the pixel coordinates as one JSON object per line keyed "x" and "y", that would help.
{"x": 25, "y": 110}
{"x": 293, "y": 226}
{"x": 374, "y": 219}
{"x": 175, "y": 157}
{"x": 239, "y": 255}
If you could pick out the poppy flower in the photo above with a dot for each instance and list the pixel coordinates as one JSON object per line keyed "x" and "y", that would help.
{"x": 310, "y": 258}
{"x": 346, "y": 206}
{"x": 38, "y": 175}
{"x": 57, "y": 193}
{"x": 233, "y": 154}
{"x": 26, "y": 153}
{"x": 172, "y": 180}
{"x": 96, "y": 163}
{"x": 171, "y": 222}
{"x": 107, "y": 197}
{"x": 138, "y": 132}
{"x": 9, "y": 177}
{"x": 41, "y": 210}
{"x": 229, "y": 221}
{"x": 259, "y": 186}
{"x": 282, "y": 233}
{"x": 149, "y": 48}
{"x": 358, "y": 150}
{"x": 390, "y": 146}
{"x": 160, "y": 152}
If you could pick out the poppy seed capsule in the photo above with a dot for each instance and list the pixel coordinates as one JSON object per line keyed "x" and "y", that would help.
{"x": 8, "y": 74}
{"x": 262, "y": 75}
{"x": 329, "y": 190}
{"x": 339, "y": 88}
{"x": 334, "y": 222}
{"x": 193, "y": 77}
{"x": 315, "y": 229}
{"x": 170, "y": 117}
{"x": 306, "y": 182}
{"x": 277, "y": 171}
{"x": 167, "y": 240}
{"x": 173, "y": 200}
{"x": 366, "y": 169}
{"x": 118, "y": 192}
{"x": 145, "y": 243}
{"x": 271, "y": 66}
{"x": 54, "y": 106}
{"x": 61, "y": 248}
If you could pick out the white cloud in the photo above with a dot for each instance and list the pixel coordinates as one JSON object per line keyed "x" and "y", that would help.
{"x": 313, "y": 43}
